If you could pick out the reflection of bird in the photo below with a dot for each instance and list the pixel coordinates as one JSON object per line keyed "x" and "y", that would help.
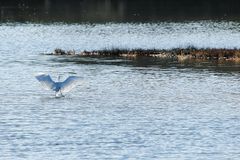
{"x": 58, "y": 87}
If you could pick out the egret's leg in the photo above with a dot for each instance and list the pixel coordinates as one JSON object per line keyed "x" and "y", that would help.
{"x": 61, "y": 93}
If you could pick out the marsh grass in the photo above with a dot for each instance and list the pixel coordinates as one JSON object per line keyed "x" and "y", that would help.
{"x": 176, "y": 53}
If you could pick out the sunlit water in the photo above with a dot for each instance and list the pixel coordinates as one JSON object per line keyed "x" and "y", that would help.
{"x": 124, "y": 108}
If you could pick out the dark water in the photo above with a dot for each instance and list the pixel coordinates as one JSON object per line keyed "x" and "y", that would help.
{"x": 142, "y": 108}
{"x": 78, "y": 11}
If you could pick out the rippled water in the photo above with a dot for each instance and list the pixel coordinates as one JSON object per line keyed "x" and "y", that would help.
{"x": 141, "y": 108}
{"x": 205, "y": 34}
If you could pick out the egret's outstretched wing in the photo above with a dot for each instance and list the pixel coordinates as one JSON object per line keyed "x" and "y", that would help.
{"x": 69, "y": 84}
{"x": 46, "y": 81}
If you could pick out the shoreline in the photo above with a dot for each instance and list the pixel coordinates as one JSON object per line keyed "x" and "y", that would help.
{"x": 180, "y": 54}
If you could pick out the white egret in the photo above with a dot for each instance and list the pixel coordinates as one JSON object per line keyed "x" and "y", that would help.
{"x": 58, "y": 87}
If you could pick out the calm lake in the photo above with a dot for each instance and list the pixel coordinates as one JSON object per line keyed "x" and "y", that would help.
{"x": 143, "y": 108}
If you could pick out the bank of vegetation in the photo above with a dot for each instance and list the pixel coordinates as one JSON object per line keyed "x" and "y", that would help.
{"x": 177, "y": 53}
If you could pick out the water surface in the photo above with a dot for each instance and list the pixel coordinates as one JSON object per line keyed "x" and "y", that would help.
{"x": 142, "y": 108}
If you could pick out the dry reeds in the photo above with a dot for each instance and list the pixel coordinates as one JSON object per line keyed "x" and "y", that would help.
{"x": 178, "y": 53}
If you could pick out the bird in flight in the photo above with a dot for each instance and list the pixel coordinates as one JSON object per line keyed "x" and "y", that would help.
{"x": 58, "y": 87}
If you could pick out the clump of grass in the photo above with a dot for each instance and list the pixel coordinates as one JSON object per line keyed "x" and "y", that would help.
{"x": 63, "y": 52}
{"x": 179, "y": 53}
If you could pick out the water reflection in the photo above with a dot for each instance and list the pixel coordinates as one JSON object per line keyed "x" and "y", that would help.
{"x": 117, "y": 10}
{"x": 152, "y": 62}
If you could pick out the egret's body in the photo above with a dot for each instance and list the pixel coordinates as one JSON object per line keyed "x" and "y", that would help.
{"x": 58, "y": 87}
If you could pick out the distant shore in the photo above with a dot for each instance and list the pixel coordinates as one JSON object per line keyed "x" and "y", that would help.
{"x": 177, "y": 53}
